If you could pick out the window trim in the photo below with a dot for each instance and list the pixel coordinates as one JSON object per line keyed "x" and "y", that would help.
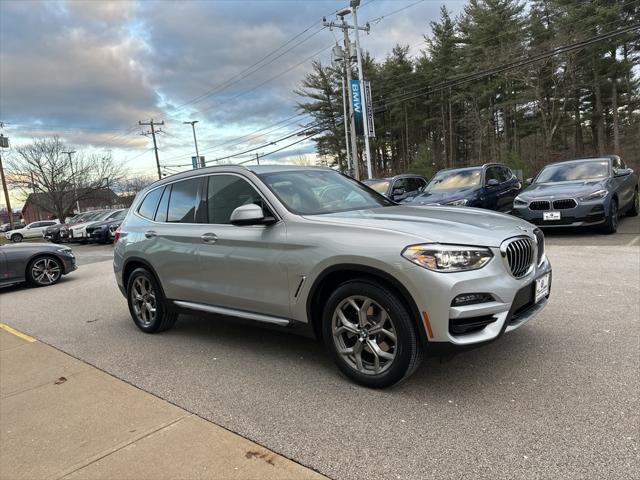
{"x": 275, "y": 213}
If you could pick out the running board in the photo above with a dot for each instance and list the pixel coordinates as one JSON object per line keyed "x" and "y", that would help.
{"x": 258, "y": 317}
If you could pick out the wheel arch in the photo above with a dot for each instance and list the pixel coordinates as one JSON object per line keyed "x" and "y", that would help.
{"x": 38, "y": 255}
{"x": 335, "y": 275}
{"x": 136, "y": 262}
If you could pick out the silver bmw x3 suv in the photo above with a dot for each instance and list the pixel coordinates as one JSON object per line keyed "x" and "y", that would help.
{"x": 381, "y": 284}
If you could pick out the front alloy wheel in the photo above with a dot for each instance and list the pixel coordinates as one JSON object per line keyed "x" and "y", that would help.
{"x": 364, "y": 334}
{"x": 44, "y": 271}
{"x": 370, "y": 334}
{"x": 611, "y": 223}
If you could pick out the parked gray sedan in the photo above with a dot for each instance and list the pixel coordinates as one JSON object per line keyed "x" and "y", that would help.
{"x": 40, "y": 264}
{"x": 583, "y": 192}
{"x": 380, "y": 283}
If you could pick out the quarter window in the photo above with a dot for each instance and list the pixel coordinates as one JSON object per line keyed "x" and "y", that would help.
{"x": 228, "y": 192}
{"x": 183, "y": 201}
{"x": 161, "y": 214}
{"x": 148, "y": 207}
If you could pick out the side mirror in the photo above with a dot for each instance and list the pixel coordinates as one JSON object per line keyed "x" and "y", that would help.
{"x": 493, "y": 182}
{"x": 529, "y": 181}
{"x": 250, "y": 214}
{"x": 622, "y": 172}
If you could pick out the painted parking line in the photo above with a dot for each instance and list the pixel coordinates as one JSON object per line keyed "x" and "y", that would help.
{"x": 634, "y": 241}
{"x": 18, "y": 334}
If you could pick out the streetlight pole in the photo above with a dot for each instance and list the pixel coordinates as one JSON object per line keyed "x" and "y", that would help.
{"x": 367, "y": 151}
{"x": 195, "y": 141}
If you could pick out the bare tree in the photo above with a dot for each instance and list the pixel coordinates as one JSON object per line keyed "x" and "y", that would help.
{"x": 60, "y": 179}
{"x": 133, "y": 185}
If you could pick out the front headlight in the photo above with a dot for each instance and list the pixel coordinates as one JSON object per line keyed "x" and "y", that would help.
{"x": 447, "y": 258}
{"x": 519, "y": 202}
{"x": 458, "y": 203}
{"x": 595, "y": 195}
{"x": 66, "y": 251}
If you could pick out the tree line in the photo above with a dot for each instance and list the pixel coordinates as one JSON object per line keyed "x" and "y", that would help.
{"x": 465, "y": 100}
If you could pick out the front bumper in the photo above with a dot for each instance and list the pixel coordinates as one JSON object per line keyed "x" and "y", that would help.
{"x": 69, "y": 263}
{"x": 511, "y": 307}
{"x": 584, "y": 214}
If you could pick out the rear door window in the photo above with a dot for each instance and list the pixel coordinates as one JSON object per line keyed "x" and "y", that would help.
{"x": 148, "y": 207}
{"x": 183, "y": 201}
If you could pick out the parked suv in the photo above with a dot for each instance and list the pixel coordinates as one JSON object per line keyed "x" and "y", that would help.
{"x": 32, "y": 230}
{"x": 492, "y": 186}
{"x": 578, "y": 193}
{"x": 400, "y": 187}
{"x": 380, "y": 283}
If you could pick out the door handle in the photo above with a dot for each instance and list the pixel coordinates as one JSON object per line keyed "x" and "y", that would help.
{"x": 209, "y": 237}
{"x": 150, "y": 234}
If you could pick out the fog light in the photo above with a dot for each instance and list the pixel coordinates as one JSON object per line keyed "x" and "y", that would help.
{"x": 471, "y": 299}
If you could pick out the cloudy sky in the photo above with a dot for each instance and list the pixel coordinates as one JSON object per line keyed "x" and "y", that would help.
{"x": 89, "y": 70}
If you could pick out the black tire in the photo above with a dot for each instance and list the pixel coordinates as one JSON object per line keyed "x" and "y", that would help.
{"x": 44, "y": 271}
{"x": 16, "y": 238}
{"x": 407, "y": 350}
{"x": 635, "y": 205}
{"x": 611, "y": 220}
{"x": 164, "y": 318}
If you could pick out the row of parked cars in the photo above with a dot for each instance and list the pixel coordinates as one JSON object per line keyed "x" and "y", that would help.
{"x": 92, "y": 226}
{"x": 581, "y": 192}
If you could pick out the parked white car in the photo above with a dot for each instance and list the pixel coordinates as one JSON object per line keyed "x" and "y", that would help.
{"x": 78, "y": 232}
{"x": 33, "y": 230}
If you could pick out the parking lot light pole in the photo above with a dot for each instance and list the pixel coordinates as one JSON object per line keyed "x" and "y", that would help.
{"x": 195, "y": 141}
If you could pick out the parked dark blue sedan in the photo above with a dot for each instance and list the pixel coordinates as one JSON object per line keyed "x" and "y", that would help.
{"x": 492, "y": 186}
{"x": 583, "y": 192}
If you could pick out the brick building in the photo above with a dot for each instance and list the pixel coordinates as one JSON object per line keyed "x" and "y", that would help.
{"x": 36, "y": 206}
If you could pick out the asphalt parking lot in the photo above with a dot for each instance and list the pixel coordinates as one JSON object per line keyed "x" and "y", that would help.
{"x": 557, "y": 398}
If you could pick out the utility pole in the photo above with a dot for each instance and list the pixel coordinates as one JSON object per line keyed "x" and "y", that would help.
{"x": 195, "y": 141}
{"x": 4, "y": 141}
{"x": 338, "y": 60}
{"x": 367, "y": 152}
{"x": 257, "y": 158}
{"x": 75, "y": 185}
{"x": 153, "y": 132}
{"x": 347, "y": 65}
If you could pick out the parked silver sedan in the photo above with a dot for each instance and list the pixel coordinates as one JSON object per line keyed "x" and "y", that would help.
{"x": 380, "y": 283}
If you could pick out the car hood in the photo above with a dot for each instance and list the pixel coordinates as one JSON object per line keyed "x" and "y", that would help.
{"x": 104, "y": 223}
{"x": 444, "y": 196}
{"x": 42, "y": 247}
{"x": 457, "y": 225}
{"x": 561, "y": 189}
{"x": 79, "y": 226}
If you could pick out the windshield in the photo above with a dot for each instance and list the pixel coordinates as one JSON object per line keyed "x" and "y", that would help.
{"x": 314, "y": 192}
{"x": 380, "y": 186}
{"x": 574, "y": 171}
{"x": 453, "y": 180}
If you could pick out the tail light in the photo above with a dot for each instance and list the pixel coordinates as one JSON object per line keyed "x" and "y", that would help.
{"x": 116, "y": 235}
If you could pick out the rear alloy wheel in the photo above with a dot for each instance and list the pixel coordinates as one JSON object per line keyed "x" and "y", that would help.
{"x": 635, "y": 206}
{"x": 147, "y": 303}
{"x": 16, "y": 238}
{"x": 611, "y": 222}
{"x": 44, "y": 271}
{"x": 370, "y": 334}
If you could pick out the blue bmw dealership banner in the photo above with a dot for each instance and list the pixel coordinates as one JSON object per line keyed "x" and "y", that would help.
{"x": 356, "y": 105}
